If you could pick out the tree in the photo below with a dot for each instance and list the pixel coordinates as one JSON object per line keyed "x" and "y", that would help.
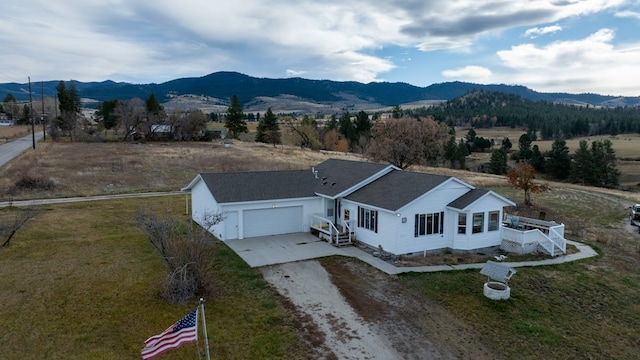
{"x": 268, "y": 130}
{"x": 404, "y": 142}
{"x": 152, "y": 105}
{"x": 187, "y": 253}
{"x": 332, "y": 123}
{"x": 306, "y": 132}
{"x": 582, "y": 168}
{"x": 106, "y": 113}
{"x": 524, "y": 146}
{"x": 234, "y": 121}
{"x": 347, "y": 128}
{"x": 10, "y": 227}
{"x": 10, "y": 106}
{"x": 397, "y": 112}
{"x": 131, "y": 118}
{"x": 537, "y": 159}
{"x": 26, "y": 115}
{"x": 498, "y": 162}
{"x": 69, "y": 105}
{"x": 559, "y": 161}
{"x": 522, "y": 177}
{"x": 604, "y": 159}
{"x": 362, "y": 128}
{"x": 506, "y": 145}
{"x": 189, "y": 126}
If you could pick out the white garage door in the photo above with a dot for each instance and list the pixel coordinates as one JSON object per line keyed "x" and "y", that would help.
{"x": 272, "y": 221}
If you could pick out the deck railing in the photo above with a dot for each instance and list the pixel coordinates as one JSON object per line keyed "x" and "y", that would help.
{"x": 326, "y": 226}
{"x": 528, "y": 233}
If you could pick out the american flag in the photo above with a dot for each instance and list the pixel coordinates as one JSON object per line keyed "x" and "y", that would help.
{"x": 184, "y": 331}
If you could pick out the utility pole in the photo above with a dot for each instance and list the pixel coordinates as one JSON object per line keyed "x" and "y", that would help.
{"x": 33, "y": 126}
{"x": 44, "y": 120}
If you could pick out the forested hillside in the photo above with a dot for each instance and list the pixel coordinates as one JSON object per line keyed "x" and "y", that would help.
{"x": 485, "y": 109}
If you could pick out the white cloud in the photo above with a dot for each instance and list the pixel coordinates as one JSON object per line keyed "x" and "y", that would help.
{"x": 535, "y": 32}
{"x": 628, "y": 14}
{"x": 295, "y": 73}
{"x": 591, "y": 64}
{"x": 469, "y": 73}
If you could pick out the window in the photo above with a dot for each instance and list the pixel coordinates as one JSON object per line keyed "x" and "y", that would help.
{"x": 462, "y": 223}
{"x": 478, "y": 223}
{"x": 368, "y": 219}
{"x": 427, "y": 224}
{"x": 493, "y": 220}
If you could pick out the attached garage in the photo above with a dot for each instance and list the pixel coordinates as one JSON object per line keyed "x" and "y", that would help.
{"x": 272, "y": 221}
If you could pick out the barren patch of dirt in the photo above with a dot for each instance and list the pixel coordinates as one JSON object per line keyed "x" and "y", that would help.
{"x": 349, "y": 310}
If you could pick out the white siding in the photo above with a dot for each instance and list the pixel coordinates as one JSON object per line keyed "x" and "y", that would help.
{"x": 433, "y": 202}
{"x": 203, "y": 202}
{"x": 470, "y": 241}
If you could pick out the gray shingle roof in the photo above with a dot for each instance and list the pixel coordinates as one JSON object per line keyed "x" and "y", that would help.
{"x": 397, "y": 189}
{"x": 336, "y": 176}
{"x": 467, "y": 199}
{"x": 262, "y": 185}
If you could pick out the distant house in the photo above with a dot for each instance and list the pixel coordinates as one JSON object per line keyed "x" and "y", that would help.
{"x": 161, "y": 132}
{"x": 4, "y": 120}
{"x": 342, "y": 201}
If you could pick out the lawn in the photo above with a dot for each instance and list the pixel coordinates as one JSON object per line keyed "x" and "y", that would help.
{"x": 80, "y": 281}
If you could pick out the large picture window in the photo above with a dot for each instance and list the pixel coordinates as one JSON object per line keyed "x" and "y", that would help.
{"x": 462, "y": 223}
{"x": 428, "y": 224}
{"x": 368, "y": 219}
{"x": 478, "y": 223}
{"x": 494, "y": 220}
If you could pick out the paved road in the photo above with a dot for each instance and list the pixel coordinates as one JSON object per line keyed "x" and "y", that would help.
{"x": 12, "y": 149}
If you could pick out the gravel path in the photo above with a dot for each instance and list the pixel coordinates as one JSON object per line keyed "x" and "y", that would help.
{"x": 346, "y": 335}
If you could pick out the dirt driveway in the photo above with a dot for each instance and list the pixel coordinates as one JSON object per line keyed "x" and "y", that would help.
{"x": 373, "y": 320}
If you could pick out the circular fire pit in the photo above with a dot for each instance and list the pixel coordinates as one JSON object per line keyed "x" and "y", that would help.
{"x": 496, "y": 290}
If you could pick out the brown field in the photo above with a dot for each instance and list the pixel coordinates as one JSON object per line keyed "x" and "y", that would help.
{"x": 627, "y": 149}
{"x": 81, "y": 169}
{"x": 13, "y": 132}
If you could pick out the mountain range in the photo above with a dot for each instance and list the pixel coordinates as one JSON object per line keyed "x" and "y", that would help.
{"x": 211, "y": 93}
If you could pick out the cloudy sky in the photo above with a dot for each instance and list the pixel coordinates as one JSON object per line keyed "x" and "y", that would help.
{"x": 551, "y": 46}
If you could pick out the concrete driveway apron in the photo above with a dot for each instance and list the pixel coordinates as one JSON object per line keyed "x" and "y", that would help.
{"x": 279, "y": 249}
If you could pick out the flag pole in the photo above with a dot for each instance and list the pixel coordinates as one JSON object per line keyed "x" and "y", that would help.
{"x": 204, "y": 328}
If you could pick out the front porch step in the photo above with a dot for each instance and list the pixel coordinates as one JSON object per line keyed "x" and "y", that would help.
{"x": 342, "y": 240}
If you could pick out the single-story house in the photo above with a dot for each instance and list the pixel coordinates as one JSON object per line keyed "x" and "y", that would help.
{"x": 380, "y": 205}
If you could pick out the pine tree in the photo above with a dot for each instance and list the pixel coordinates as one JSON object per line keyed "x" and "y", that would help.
{"x": 498, "y": 163}
{"x": 582, "y": 169}
{"x": 604, "y": 159}
{"x": 235, "y": 122}
{"x": 559, "y": 162}
{"x": 268, "y": 130}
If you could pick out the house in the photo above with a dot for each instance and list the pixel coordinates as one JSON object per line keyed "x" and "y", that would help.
{"x": 4, "y": 120}
{"x": 379, "y": 205}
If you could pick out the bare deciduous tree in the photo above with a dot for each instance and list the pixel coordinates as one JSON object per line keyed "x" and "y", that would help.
{"x": 406, "y": 141}
{"x": 186, "y": 250}
{"x": 10, "y": 227}
{"x": 131, "y": 117}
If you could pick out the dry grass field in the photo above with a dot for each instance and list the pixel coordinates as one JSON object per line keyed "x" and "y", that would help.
{"x": 12, "y": 132}
{"x": 627, "y": 147}
{"x": 81, "y": 169}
